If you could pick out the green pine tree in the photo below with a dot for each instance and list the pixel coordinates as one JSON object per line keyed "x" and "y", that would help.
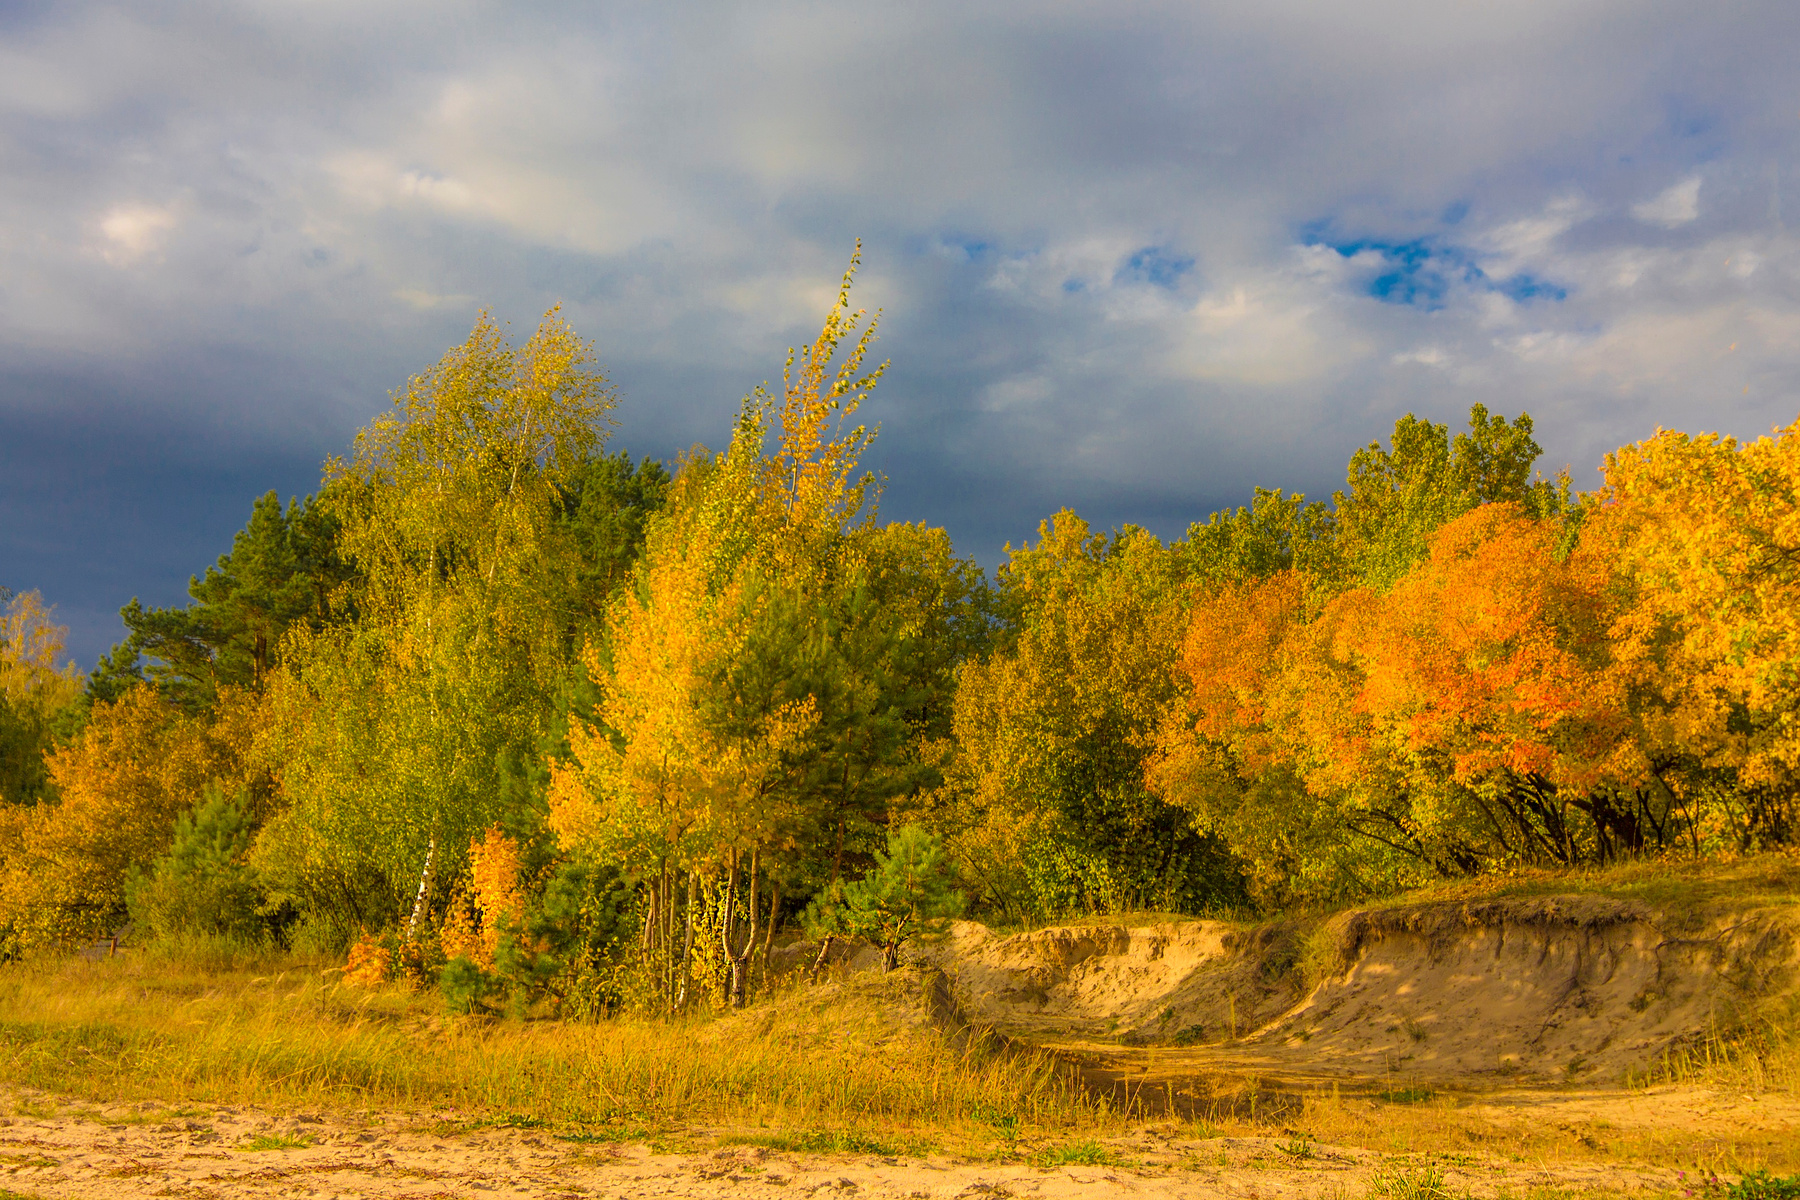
{"x": 906, "y": 895}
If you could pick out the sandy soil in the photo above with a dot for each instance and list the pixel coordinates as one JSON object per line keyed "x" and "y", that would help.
{"x": 124, "y": 1151}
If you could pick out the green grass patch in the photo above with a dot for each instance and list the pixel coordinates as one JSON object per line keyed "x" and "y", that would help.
{"x": 834, "y": 1141}
{"x": 1405, "y": 1095}
{"x": 1076, "y": 1154}
{"x": 276, "y": 1141}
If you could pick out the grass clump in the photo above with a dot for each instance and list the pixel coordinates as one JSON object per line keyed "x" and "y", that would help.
{"x": 834, "y": 1141}
{"x": 1409, "y": 1181}
{"x": 275, "y": 1141}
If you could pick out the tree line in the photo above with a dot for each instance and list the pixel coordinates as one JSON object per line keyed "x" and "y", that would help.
{"x": 499, "y": 709}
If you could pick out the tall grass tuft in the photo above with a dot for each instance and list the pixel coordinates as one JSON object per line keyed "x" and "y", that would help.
{"x": 1754, "y": 1061}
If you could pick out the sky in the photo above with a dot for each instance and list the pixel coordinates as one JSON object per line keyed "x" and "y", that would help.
{"x": 1134, "y": 259}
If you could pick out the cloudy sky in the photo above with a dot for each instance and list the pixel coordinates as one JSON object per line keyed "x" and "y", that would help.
{"x": 1134, "y": 258}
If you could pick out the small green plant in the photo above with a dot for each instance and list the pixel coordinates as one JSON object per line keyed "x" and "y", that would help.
{"x": 1005, "y": 1124}
{"x": 1300, "y": 1147}
{"x": 1760, "y": 1185}
{"x": 276, "y": 1141}
{"x": 1192, "y": 1035}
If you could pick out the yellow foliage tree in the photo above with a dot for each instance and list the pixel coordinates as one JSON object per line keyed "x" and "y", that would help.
{"x": 34, "y": 691}
{"x": 1704, "y": 534}
{"x": 692, "y": 761}
{"x": 138, "y": 765}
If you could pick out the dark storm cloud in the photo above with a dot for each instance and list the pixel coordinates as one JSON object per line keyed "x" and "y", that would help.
{"x": 1134, "y": 258}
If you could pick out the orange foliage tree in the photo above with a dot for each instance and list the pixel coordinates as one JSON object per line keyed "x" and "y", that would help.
{"x": 1471, "y": 715}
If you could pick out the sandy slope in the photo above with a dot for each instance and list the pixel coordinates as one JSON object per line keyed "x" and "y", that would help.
{"x": 96, "y": 1157}
{"x": 1553, "y": 988}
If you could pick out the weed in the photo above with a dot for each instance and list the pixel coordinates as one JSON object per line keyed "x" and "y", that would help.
{"x": 1298, "y": 1147}
{"x": 276, "y": 1141}
{"x": 27, "y": 1160}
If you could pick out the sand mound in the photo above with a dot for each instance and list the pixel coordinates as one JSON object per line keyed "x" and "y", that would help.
{"x": 1560, "y": 986}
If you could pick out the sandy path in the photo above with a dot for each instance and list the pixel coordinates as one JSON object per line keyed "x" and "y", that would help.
{"x": 117, "y": 1152}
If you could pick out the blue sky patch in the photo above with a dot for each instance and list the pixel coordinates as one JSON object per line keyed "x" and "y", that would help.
{"x": 1421, "y": 272}
{"x": 1156, "y": 266}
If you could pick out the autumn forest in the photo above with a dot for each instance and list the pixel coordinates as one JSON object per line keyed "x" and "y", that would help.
{"x": 506, "y": 712}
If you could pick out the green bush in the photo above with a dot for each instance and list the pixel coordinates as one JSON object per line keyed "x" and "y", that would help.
{"x": 203, "y": 888}
{"x": 466, "y": 987}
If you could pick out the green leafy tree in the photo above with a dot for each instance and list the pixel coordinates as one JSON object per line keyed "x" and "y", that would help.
{"x": 607, "y": 504}
{"x": 392, "y": 723}
{"x": 1398, "y": 495}
{"x": 1277, "y": 531}
{"x": 908, "y": 894}
{"x": 1045, "y": 809}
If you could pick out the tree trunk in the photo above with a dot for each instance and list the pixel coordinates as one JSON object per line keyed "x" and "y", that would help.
{"x": 687, "y": 945}
{"x": 738, "y": 957}
{"x": 819, "y": 962}
{"x": 774, "y": 920}
{"x": 890, "y": 956}
{"x": 423, "y": 899}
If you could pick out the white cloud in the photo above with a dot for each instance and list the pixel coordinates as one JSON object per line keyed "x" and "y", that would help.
{"x": 420, "y": 298}
{"x": 1429, "y": 356}
{"x": 1676, "y": 206}
{"x": 135, "y": 231}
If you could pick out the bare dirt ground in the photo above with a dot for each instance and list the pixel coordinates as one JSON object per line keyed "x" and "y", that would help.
{"x": 139, "y": 1151}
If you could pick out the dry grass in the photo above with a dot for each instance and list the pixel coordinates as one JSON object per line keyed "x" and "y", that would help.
{"x": 831, "y": 1058}
{"x": 1756, "y": 1062}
